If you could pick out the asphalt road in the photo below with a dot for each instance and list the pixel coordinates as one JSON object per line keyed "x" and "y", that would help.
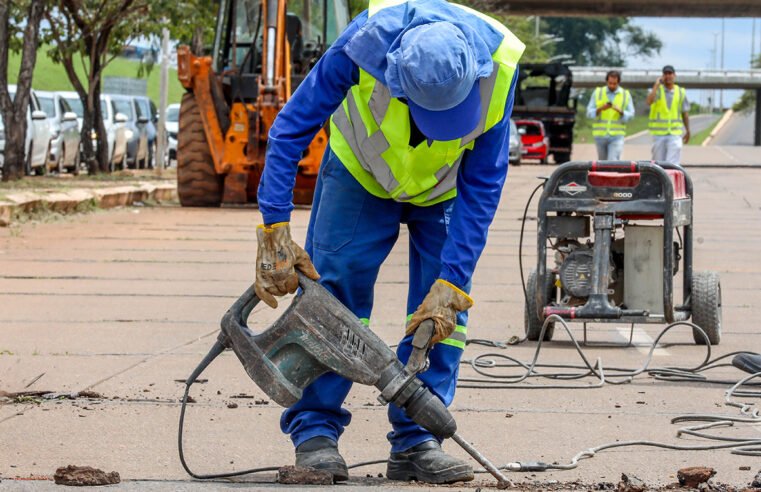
{"x": 737, "y": 131}
{"x": 126, "y": 303}
{"x": 698, "y": 123}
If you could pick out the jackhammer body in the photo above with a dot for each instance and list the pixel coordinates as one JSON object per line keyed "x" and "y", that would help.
{"x": 318, "y": 334}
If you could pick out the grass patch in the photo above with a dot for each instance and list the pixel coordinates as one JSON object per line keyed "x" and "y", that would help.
{"x": 701, "y": 136}
{"x": 50, "y": 76}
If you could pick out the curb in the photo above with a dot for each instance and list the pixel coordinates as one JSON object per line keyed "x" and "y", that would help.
{"x": 723, "y": 121}
{"x": 66, "y": 202}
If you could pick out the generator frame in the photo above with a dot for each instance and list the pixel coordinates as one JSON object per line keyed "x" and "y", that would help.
{"x": 569, "y": 196}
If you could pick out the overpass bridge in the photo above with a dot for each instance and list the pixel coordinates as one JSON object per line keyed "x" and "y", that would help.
{"x": 633, "y": 78}
{"x": 639, "y": 8}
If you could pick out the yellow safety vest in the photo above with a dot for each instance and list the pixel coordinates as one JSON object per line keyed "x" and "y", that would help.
{"x": 608, "y": 122}
{"x": 370, "y": 131}
{"x": 666, "y": 120}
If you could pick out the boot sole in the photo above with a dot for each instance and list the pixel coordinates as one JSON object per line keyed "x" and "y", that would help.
{"x": 406, "y": 471}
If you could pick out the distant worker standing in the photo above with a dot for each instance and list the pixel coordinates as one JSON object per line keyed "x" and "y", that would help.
{"x": 669, "y": 117}
{"x": 611, "y": 107}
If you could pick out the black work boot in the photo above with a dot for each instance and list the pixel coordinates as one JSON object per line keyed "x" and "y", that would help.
{"x": 426, "y": 462}
{"x": 321, "y": 453}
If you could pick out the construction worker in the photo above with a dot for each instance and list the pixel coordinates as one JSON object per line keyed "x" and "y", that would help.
{"x": 669, "y": 117}
{"x": 420, "y": 94}
{"x": 611, "y": 107}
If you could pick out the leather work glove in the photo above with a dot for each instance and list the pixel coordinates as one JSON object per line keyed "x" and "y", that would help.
{"x": 277, "y": 258}
{"x": 441, "y": 304}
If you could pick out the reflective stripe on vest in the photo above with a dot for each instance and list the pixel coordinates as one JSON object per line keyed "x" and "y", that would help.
{"x": 666, "y": 120}
{"x": 370, "y": 131}
{"x": 608, "y": 122}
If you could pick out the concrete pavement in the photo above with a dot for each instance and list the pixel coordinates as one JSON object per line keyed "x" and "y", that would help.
{"x": 125, "y": 303}
{"x": 698, "y": 123}
{"x": 692, "y": 155}
{"x": 737, "y": 131}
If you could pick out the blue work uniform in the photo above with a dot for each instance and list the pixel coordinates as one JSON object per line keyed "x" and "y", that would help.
{"x": 351, "y": 232}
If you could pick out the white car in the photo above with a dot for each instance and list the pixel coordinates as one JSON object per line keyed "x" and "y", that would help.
{"x": 172, "y": 127}
{"x": 37, "y": 139}
{"x": 64, "y": 145}
{"x": 117, "y": 134}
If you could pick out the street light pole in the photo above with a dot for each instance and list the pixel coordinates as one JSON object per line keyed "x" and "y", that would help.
{"x": 721, "y": 91}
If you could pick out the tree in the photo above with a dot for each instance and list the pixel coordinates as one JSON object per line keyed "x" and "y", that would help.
{"x": 92, "y": 33}
{"x": 747, "y": 102}
{"x": 606, "y": 41}
{"x": 13, "y": 15}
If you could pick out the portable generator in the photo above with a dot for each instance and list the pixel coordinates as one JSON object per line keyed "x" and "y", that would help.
{"x": 621, "y": 233}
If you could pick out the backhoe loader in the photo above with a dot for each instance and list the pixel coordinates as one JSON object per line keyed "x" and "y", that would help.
{"x": 262, "y": 50}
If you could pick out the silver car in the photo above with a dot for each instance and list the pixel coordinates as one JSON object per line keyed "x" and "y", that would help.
{"x": 64, "y": 143}
{"x": 516, "y": 145}
{"x": 37, "y": 138}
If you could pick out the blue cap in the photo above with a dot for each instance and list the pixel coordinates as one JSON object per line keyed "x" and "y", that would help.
{"x": 437, "y": 71}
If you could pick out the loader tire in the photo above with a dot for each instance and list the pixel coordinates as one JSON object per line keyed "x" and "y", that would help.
{"x": 706, "y": 306}
{"x": 198, "y": 184}
{"x": 531, "y": 321}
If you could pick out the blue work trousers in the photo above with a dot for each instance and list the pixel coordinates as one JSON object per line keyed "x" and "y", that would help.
{"x": 351, "y": 232}
{"x": 609, "y": 148}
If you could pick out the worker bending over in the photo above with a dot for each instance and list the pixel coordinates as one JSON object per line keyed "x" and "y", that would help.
{"x": 669, "y": 117}
{"x": 420, "y": 94}
{"x": 610, "y": 107}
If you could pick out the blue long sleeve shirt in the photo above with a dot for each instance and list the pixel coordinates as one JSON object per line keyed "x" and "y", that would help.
{"x": 480, "y": 178}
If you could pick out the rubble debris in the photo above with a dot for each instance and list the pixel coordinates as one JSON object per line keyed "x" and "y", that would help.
{"x": 84, "y": 476}
{"x": 756, "y": 481}
{"x": 261, "y": 402}
{"x": 695, "y": 475}
{"x": 232, "y": 404}
{"x": 744, "y": 468}
{"x": 295, "y": 475}
{"x": 630, "y": 483}
{"x": 197, "y": 381}
{"x": 242, "y": 395}
{"x": 190, "y": 399}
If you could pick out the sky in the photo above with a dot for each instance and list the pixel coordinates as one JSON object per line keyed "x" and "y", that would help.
{"x": 689, "y": 42}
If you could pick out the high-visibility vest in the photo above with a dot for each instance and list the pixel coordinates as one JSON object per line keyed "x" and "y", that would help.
{"x": 370, "y": 131}
{"x": 666, "y": 120}
{"x": 609, "y": 122}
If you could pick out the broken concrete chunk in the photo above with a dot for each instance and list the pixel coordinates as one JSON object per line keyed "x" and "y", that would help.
{"x": 294, "y": 475}
{"x": 757, "y": 481}
{"x": 630, "y": 483}
{"x": 695, "y": 475}
{"x": 84, "y": 476}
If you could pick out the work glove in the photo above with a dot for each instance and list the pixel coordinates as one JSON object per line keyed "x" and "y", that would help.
{"x": 441, "y": 304}
{"x": 277, "y": 258}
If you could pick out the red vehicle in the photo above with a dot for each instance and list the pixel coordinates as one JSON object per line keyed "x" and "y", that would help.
{"x": 536, "y": 143}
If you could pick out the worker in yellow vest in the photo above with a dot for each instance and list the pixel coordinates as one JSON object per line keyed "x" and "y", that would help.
{"x": 669, "y": 117}
{"x": 420, "y": 94}
{"x": 610, "y": 107}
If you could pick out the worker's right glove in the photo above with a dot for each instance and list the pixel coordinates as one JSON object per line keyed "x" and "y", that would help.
{"x": 277, "y": 258}
{"x": 441, "y": 304}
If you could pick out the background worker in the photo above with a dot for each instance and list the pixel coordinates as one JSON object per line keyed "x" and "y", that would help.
{"x": 611, "y": 107}
{"x": 421, "y": 95}
{"x": 669, "y": 117}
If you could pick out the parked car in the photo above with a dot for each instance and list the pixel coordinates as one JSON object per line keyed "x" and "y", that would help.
{"x": 148, "y": 119}
{"x": 536, "y": 143}
{"x": 137, "y": 135}
{"x": 118, "y": 133}
{"x": 516, "y": 145}
{"x": 172, "y": 127}
{"x": 72, "y": 99}
{"x": 37, "y": 139}
{"x": 64, "y": 143}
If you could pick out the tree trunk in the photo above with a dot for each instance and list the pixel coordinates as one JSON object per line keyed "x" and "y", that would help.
{"x": 14, "y": 111}
{"x": 100, "y": 130}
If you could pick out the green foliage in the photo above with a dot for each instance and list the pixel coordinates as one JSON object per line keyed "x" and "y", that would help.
{"x": 747, "y": 102}
{"x": 606, "y": 41}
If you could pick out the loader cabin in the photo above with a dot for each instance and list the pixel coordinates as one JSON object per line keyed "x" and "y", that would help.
{"x": 311, "y": 26}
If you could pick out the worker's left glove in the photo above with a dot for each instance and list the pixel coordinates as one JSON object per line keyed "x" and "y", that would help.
{"x": 277, "y": 257}
{"x": 441, "y": 304}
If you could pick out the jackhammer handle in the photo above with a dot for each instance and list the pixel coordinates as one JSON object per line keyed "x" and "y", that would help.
{"x": 241, "y": 309}
{"x": 421, "y": 345}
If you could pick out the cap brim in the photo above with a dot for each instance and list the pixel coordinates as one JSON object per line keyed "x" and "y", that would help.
{"x": 449, "y": 124}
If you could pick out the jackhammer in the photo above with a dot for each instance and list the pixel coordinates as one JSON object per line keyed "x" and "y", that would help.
{"x": 318, "y": 334}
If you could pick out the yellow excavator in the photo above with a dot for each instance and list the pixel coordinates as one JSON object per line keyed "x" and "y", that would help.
{"x": 262, "y": 50}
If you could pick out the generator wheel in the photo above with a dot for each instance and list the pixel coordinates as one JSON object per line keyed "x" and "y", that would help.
{"x": 706, "y": 306}
{"x": 198, "y": 184}
{"x": 531, "y": 321}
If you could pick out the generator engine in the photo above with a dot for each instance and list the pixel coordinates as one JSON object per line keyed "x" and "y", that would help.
{"x": 574, "y": 266}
